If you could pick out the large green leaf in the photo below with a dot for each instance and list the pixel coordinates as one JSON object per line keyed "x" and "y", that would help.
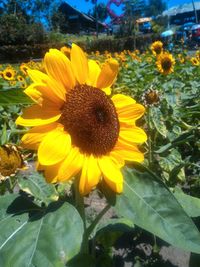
{"x": 36, "y": 186}
{"x": 190, "y": 204}
{"x": 31, "y": 236}
{"x": 149, "y": 204}
{"x": 14, "y": 96}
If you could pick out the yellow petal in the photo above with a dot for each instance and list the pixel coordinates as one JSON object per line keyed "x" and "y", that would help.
{"x": 50, "y": 172}
{"x": 132, "y": 135}
{"x": 34, "y": 94}
{"x": 90, "y": 175}
{"x": 71, "y": 165}
{"x": 107, "y": 90}
{"x": 58, "y": 66}
{"x": 79, "y": 64}
{"x": 94, "y": 71}
{"x": 33, "y": 138}
{"x": 112, "y": 174}
{"x": 129, "y": 114}
{"x": 38, "y": 115}
{"x": 128, "y": 152}
{"x": 121, "y": 101}
{"x": 54, "y": 147}
{"x": 51, "y": 86}
{"x": 108, "y": 74}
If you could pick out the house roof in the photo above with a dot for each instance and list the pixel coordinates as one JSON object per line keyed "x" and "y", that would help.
{"x": 87, "y": 17}
{"x": 173, "y": 11}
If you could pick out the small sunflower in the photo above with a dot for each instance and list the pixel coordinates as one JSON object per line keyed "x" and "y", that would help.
{"x": 9, "y": 74}
{"x": 11, "y": 160}
{"x": 12, "y": 83}
{"x": 77, "y": 127}
{"x": 24, "y": 68}
{"x": 23, "y": 85}
{"x": 157, "y": 48}
{"x": 20, "y": 78}
{"x": 165, "y": 63}
{"x": 151, "y": 97}
{"x": 195, "y": 61}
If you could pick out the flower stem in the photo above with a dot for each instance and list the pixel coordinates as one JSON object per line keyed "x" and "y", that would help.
{"x": 149, "y": 138}
{"x": 97, "y": 219}
{"x": 79, "y": 202}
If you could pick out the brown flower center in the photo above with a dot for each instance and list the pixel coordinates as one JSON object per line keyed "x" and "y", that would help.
{"x": 89, "y": 116}
{"x": 166, "y": 63}
{"x": 158, "y": 49}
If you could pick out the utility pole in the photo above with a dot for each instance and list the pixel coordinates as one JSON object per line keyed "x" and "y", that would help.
{"x": 195, "y": 12}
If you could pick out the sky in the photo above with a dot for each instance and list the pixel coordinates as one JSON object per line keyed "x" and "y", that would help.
{"x": 84, "y": 6}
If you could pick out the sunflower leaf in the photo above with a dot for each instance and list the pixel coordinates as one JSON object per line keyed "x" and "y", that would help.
{"x": 14, "y": 96}
{"x": 36, "y": 186}
{"x": 33, "y": 236}
{"x": 149, "y": 204}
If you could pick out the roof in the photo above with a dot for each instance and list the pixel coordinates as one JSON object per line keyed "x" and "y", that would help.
{"x": 173, "y": 11}
{"x": 87, "y": 17}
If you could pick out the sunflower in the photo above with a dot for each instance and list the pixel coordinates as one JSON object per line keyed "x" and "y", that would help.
{"x": 165, "y": 63}
{"x": 195, "y": 61}
{"x": 151, "y": 97}
{"x": 23, "y": 85}
{"x": 77, "y": 126}
{"x": 24, "y": 68}
{"x": 11, "y": 161}
{"x": 20, "y": 78}
{"x": 157, "y": 48}
{"x": 9, "y": 74}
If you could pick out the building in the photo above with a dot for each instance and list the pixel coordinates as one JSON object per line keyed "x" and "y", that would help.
{"x": 181, "y": 14}
{"x": 76, "y": 21}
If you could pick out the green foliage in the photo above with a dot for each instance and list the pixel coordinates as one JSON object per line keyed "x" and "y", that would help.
{"x": 15, "y": 30}
{"x": 45, "y": 236}
{"x": 149, "y": 204}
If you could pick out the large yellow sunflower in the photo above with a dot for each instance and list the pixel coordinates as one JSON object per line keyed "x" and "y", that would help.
{"x": 76, "y": 125}
{"x": 165, "y": 63}
{"x": 157, "y": 48}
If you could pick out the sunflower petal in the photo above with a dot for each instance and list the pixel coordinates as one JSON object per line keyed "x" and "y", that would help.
{"x": 112, "y": 174}
{"x": 58, "y": 66}
{"x": 132, "y": 135}
{"x": 51, "y": 86}
{"x": 54, "y": 147}
{"x": 90, "y": 175}
{"x": 50, "y": 172}
{"x": 129, "y": 152}
{"x": 33, "y": 138}
{"x": 108, "y": 74}
{"x": 94, "y": 71}
{"x": 79, "y": 64}
{"x": 122, "y": 101}
{"x": 34, "y": 94}
{"x": 71, "y": 165}
{"x": 131, "y": 113}
{"x": 38, "y": 115}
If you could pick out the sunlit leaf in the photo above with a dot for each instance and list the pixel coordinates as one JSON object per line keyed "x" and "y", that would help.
{"x": 32, "y": 236}
{"x": 149, "y": 204}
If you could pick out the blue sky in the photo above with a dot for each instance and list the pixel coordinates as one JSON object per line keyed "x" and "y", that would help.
{"x": 84, "y": 6}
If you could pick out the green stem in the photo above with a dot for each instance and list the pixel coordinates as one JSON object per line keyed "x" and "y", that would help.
{"x": 149, "y": 138}
{"x": 79, "y": 200}
{"x": 97, "y": 219}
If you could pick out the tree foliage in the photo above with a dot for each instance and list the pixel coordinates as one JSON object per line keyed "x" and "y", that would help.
{"x": 155, "y": 7}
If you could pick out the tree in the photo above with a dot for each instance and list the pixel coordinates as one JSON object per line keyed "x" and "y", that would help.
{"x": 101, "y": 10}
{"x": 155, "y": 7}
